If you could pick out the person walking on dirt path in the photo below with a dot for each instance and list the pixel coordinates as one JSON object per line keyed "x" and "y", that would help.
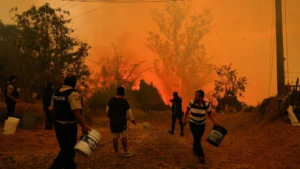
{"x": 11, "y": 95}
{"x": 66, "y": 111}
{"x": 198, "y": 108}
{"x": 47, "y": 96}
{"x": 176, "y": 113}
{"x": 118, "y": 111}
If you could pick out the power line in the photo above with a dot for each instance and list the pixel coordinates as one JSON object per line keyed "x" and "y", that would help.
{"x": 286, "y": 41}
{"x": 114, "y": 1}
{"x": 66, "y": 4}
{"x": 293, "y": 72}
{"x": 90, "y": 11}
{"x": 74, "y": 5}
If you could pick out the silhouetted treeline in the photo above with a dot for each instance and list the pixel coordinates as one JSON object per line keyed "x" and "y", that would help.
{"x": 41, "y": 47}
{"x": 147, "y": 98}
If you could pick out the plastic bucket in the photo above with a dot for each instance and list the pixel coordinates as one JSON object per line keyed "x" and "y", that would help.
{"x": 34, "y": 95}
{"x": 146, "y": 125}
{"x": 216, "y": 135}
{"x": 10, "y": 126}
{"x": 88, "y": 143}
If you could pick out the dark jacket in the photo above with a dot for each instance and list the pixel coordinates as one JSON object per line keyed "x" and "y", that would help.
{"x": 177, "y": 106}
{"x": 14, "y": 94}
{"x": 47, "y": 96}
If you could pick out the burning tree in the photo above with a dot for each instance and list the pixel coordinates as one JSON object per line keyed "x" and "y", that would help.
{"x": 182, "y": 64}
{"x": 116, "y": 70}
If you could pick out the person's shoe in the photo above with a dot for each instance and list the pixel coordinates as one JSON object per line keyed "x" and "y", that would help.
{"x": 195, "y": 153}
{"x": 128, "y": 154}
{"x": 202, "y": 160}
{"x": 181, "y": 134}
{"x": 171, "y": 132}
{"x": 118, "y": 160}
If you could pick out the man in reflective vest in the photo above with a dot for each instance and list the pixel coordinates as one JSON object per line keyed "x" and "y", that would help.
{"x": 66, "y": 108}
{"x": 11, "y": 95}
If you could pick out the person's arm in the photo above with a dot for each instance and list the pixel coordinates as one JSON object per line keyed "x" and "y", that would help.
{"x": 79, "y": 118}
{"x": 51, "y": 107}
{"x": 187, "y": 112}
{"x": 10, "y": 89}
{"x": 129, "y": 115}
{"x": 212, "y": 119}
{"x": 107, "y": 110}
{"x": 209, "y": 113}
{"x": 108, "y": 107}
{"x": 76, "y": 107}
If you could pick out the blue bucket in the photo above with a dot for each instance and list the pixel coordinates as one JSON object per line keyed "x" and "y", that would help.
{"x": 216, "y": 135}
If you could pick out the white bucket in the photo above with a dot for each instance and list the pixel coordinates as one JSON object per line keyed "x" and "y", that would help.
{"x": 34, "y": 95}
{"x": 88, "y": 143}
{"x": 10, "y": 126}
{"x": 146, "y": 125}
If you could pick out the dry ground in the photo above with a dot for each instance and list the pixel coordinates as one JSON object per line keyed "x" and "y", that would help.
{"x": 248, "y": 145}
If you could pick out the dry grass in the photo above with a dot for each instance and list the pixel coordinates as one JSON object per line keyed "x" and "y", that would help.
{"x": 248, "y": 145}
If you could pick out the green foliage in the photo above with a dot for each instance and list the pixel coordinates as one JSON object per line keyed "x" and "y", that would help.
{"x": 149, "y": 97}
{"x": 228, "y": 87}
{"x": 99, "y": 99}
{"x": 182, "y": 64}
{"x": 248, "y": 109}
{"x": 10, "y": 53}
{"x": 228, "y": 84}
{"x": 45, "y": 48}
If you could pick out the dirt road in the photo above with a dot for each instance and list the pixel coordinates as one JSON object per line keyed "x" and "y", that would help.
{"x": 247, "y": 146}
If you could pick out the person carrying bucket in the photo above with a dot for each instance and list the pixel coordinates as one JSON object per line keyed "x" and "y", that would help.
{"x": 176, "y": 113}
{"x": 198, "y": 108}
{"x": 11, "y": 95}
{"x": 66, "y": 110}
{"x": 118, "y": 111}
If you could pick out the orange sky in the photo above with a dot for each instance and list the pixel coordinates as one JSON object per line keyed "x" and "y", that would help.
{"x": 241, "y": 34}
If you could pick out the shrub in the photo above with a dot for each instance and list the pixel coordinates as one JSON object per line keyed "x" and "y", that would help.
{"x": 99, "y": 99}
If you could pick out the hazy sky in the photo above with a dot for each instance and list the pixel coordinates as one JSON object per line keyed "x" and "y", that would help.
{"x": 242, "y": 34}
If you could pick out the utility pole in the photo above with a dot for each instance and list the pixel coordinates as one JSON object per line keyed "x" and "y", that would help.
{"x": 279, "y": 49}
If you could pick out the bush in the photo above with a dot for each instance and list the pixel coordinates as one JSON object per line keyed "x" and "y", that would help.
{"x": 146, "y": 98}
{"x": 248, "y": 109}
{"x": 150, "y": 98}
{"x": 99, "y": 99}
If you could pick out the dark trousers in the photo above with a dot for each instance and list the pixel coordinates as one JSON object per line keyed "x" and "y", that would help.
{"x": 10, "y": 105}
{"x": 197, "y": 131}
{"x": 174, "y": 118}
{"x": 48, "y": 122}
{"x": 66, "y": 135}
